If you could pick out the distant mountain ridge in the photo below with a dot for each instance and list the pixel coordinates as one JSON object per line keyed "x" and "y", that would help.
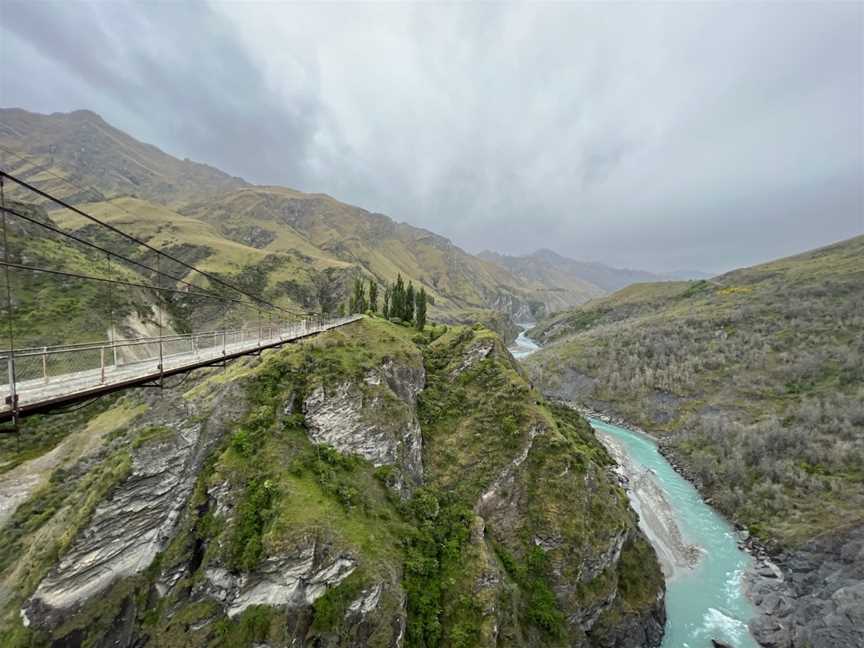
{"x": 579, "y": 280}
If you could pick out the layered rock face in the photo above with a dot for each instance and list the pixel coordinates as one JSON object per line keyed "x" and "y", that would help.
{"x": 135, "y": 520}
{"x": 360, "y": 489}
{"x": 375, "y": 419}
{"x": 290, "y": 580}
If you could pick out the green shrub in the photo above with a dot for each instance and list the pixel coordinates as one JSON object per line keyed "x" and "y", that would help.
{"x": 540, "y": 607}
{"x": 330, "y": 609}
{"x": 250, "y": 628}
{"x": 254, "y": 512}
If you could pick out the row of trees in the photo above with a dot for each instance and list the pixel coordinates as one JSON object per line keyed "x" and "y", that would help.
{"x": 400, "y": 302}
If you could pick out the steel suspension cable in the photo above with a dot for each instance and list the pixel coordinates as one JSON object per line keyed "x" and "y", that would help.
{"x": 95, "y": 246}
{"x": 120, "y": 232}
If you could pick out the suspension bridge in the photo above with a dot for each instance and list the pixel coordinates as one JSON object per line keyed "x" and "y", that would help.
{"x": 40, "y": 378}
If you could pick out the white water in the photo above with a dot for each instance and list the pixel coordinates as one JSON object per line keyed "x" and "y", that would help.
{"x": 523, "y": 345}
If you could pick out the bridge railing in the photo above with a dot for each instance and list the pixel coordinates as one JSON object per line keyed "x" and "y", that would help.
{"x": 82, "y": 366}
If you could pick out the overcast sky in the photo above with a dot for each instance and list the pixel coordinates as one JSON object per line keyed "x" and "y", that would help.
{"x": 658, "y": 136}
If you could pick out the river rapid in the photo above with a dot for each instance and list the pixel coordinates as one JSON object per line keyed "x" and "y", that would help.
{"x": 697, "y": 548}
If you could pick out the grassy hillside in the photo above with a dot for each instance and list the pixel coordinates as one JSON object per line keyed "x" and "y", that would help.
{"x": 303, "y": 249}
{"x": 48, "y": 309}
{"x": 83, "y": 147}
{"x": 754, "y": 378}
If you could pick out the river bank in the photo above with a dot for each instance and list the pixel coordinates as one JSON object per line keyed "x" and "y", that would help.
{"x": 656, "y": 516}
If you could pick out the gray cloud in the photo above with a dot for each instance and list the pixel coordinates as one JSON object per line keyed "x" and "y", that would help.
{"x": 171, "y": 74}
{"x": 656, "y": 136}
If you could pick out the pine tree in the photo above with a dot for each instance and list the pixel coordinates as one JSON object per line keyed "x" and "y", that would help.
{"x": 420, "y": 315}
{"x": 409, "y": 303}
{"x": 373, "y": 296}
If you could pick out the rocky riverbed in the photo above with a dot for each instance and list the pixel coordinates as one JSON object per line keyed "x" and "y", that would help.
{"x": 656, "y": 516}
{"x": 813, "y": 596}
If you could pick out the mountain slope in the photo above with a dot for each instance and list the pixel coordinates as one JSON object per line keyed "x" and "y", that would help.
{"x": 84, "y": 148}
{"x": 779, "y": 343}
{"x": 561, "y": 282}
{"x": 302, "y": 249}
{"x": 382, "y": 247}
{"x": 755, "y": 381}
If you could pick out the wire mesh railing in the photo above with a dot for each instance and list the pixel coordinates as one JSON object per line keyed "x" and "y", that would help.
{"x": 39, "y": 374}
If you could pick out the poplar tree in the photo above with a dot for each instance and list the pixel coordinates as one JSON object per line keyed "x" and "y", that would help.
{"x": 357, "y": 302}
{"x": 409, "y": 303}
{"x": 386, "y": 309}
{"x": 420, "y": 309}
{"x": 397, "y": 298}
{"x": 373, "y": 296}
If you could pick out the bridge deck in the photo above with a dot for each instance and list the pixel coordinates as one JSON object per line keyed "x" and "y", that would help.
{"x": 124, "y": 364}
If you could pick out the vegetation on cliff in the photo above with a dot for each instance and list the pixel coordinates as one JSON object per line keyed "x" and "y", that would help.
{"x": 510, "y": 532}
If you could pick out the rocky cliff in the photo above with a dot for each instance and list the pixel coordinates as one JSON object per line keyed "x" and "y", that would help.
{"x": 371, "y": 487}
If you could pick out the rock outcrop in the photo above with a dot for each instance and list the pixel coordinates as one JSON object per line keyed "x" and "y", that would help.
{"x": 289, "y": 580}
{"x": 140, "y": 514}
{"x": 533, "y": 505}
{"x": 375, "y": 419}
{"x": 816, "y": 597}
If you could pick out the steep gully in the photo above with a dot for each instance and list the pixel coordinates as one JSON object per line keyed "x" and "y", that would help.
{"x": 698, "y": 549}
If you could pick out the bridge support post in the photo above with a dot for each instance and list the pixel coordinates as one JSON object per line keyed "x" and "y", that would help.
{"x": 161, "y": 329}
{"x": 102, "y": 365}
{"x": 12, "y": 399}
{"x": 45, "y": 364}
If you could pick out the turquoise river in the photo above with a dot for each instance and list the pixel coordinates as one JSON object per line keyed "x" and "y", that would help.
{"x": 706, "y": 601}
